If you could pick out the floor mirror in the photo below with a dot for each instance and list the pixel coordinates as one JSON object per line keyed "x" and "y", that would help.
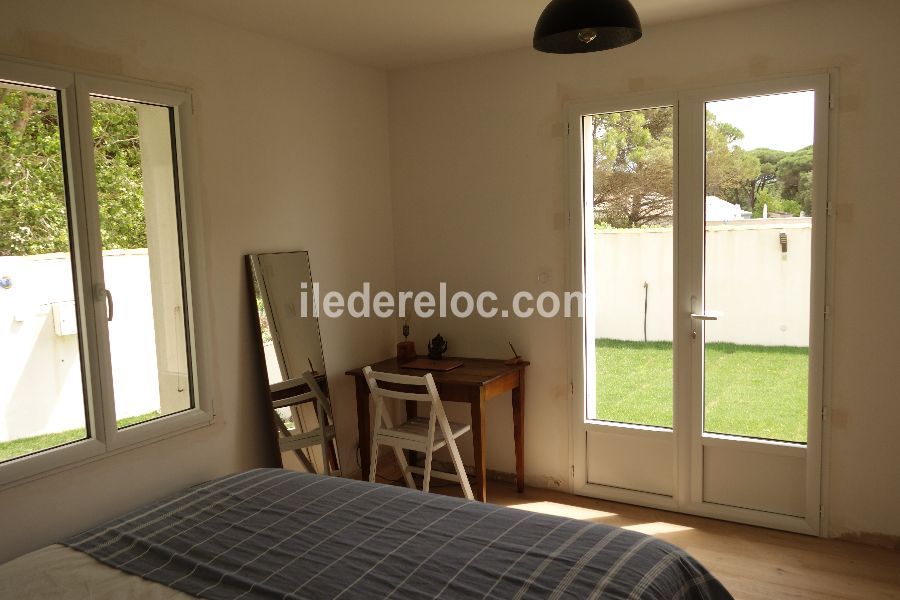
{"x": 289, "y": 345}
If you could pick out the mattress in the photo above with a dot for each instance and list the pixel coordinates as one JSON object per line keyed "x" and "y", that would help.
{"x": 271, "y": 533}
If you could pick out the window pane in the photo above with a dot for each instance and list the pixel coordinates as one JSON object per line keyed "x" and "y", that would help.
{"x": 758, "y": 244}
{"x": 630, "y": 266}
{"x": 42, "y": 399}
{"x": 142, "y": 259}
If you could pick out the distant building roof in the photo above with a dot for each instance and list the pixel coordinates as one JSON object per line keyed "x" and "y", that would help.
{"x": 722, "y": 210}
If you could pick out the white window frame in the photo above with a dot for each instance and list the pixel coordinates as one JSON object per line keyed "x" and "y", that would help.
{"x": 103, "y": 439}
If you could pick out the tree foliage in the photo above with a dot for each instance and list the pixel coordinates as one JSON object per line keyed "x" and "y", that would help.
{"x": 785, "y": 176}
{"x": 794, "y": 173}
{"x": 776, "y": 205}
{"x": 32, "y": 199}
{"x": 728, "y": 166}
{"x": 33, "y": 216}
{"x": 633, "y": 180}
{"x": 747, "y": 194}
{"x": 633, "y": 172}
{"x": 120, "y": 191}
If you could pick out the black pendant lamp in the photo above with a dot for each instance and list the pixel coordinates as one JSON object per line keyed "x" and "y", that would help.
{"x": 576, "y": 26}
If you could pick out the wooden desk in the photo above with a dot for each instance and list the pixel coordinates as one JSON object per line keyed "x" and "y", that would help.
{"x": 475, "y": 382}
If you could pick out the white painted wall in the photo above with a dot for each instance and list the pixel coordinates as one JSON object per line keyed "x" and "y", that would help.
{"x": 275, "y": 132}
{"x": 761, "y": 292}
{"x": 479, "y": 186}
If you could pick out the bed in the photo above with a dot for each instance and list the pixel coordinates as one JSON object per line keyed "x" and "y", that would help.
{"x": 272, "y": 533}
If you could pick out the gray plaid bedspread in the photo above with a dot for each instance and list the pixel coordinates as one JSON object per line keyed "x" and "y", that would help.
{"x": 271, "y": 533}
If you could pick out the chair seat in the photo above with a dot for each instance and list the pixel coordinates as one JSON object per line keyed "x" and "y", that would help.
{"x": 415, "y": 431}
{"x": 305, "y": 439}
{"x": 293, "y": 401}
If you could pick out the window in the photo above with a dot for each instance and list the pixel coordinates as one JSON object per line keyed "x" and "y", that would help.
{"x": 758, "y": 266}
{"x": 94, "y": 281}
{"x": 631, "y": 274}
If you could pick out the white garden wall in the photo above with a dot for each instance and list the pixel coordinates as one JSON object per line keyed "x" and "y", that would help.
{"x": 762, "y": 292}
{"x": 40, "y": 372}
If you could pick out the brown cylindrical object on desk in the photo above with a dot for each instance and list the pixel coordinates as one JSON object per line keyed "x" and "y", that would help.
{"x": 406, "y": 351}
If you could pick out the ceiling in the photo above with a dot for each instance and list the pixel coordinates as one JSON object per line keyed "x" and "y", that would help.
{"x": 393, "y": 34}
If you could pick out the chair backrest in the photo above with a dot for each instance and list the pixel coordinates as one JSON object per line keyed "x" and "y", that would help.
{"x": 375, "y": 378}
{"x": 321, "y": 398}
{"x": 315, "y": 392}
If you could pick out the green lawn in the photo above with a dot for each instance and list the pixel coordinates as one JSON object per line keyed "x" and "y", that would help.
{"x": 756, "y": 391}
{"x": 30, "y": 445}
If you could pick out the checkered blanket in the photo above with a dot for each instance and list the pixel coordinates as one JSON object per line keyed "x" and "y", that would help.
{"x": 271, "y": 533}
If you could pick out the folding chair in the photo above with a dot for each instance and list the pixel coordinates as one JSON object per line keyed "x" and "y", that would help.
{"x": 320, "y": 436}
{"x": 423, "y": 434}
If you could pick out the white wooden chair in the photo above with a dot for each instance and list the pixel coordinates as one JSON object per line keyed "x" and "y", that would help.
{"x": 423, "y": 434}
{"x": 320, "y": 436}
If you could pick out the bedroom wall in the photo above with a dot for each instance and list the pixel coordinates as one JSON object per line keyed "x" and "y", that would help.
{"x": 479, "y": 185}
{"x": 276, "y": 130}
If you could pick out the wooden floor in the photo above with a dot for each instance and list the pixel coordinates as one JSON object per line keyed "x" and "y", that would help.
{"x": 752, "y": 562}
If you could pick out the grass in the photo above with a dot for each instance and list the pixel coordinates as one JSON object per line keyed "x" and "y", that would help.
{"x": 30, "y": 445}
{"x": 634, "y": 382}
{"x": 754, "y": 391}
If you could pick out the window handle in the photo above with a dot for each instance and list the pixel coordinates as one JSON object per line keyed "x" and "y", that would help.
{"x": 109, "y": 305}
{"x": 101, "y": 293}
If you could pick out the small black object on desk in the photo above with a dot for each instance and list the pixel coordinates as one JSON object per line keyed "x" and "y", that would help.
{"x": 437, "y": 347}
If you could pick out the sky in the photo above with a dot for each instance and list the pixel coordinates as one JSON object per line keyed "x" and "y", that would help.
{"x": 781, "y": 122}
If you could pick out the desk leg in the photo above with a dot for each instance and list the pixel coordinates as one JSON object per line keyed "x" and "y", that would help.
{"x": 362, "y": 421}
{"x": 518, "y": 406}
{"x": 478, "y": 437}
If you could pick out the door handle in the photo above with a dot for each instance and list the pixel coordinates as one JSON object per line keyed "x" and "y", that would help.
{"x": 712, "y": 315}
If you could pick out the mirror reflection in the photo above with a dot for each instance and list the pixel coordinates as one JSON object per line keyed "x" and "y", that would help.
{"x": 291, "y": 341}
{"x": 291, "y": 346}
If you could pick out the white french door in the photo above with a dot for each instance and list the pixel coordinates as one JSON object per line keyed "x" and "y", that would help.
{"x": 699, "y": 223}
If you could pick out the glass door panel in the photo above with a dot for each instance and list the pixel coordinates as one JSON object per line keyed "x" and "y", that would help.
{"x": 42, "y": 400}
{"x": 140, "y": 224}
{"x": 629, "y": 266}
{"x": 757, "y": 265}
